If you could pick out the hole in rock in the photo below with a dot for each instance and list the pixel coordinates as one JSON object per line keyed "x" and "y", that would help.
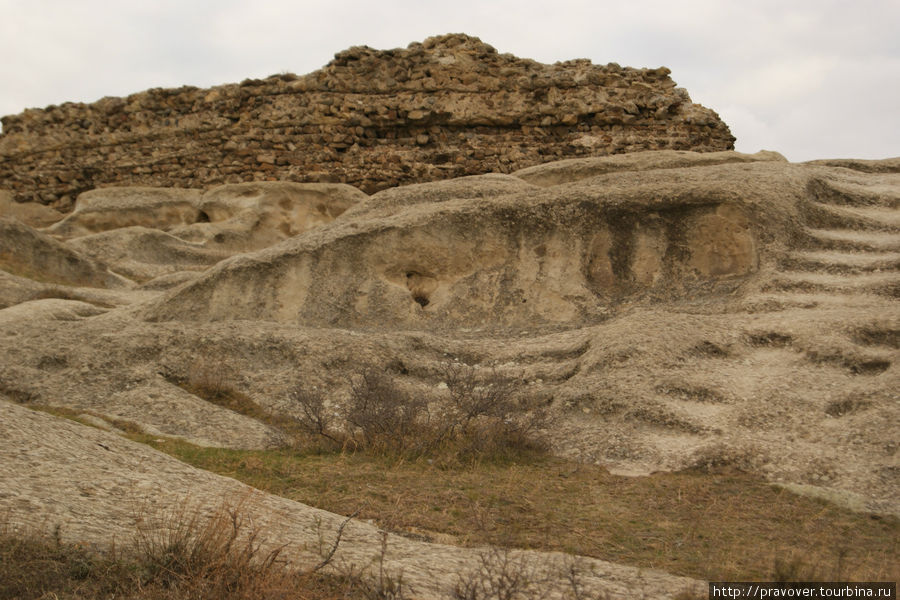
{"x": 870, "y": 367}
{"x": 771, "y": 338}
{"x": 203, "y": 217}
{"x": 839, "y": 408}
{"x": 421, "y": 300}
{"x": 881, "y": 337}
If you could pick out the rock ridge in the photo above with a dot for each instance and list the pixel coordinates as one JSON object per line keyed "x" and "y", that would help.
{"x": 447, "y": 107}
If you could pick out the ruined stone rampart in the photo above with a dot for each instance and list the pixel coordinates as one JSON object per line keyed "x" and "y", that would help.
{"x": 447, "y": 107}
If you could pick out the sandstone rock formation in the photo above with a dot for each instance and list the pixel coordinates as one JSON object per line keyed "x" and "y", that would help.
{"x": 448, "y": 107}
{"x": 672, "y": 309}
{"x": 35, "y": 255}
{"x": 628, "y": 293}
{"x": 496, "y": 252}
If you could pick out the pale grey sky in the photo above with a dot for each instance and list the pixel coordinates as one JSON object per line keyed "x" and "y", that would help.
{"x": 808, "y": 78}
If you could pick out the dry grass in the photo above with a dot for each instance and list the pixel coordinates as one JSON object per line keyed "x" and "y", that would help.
{"x": 179, "y": 556}
{"x": 219, "y": 553}
{"x": 717, "y": 525}
{"x": 454, "y": 473}
{"x": 211, "y": 379}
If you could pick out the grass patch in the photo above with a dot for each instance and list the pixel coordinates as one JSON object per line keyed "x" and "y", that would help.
{"x": 715, "y": 524}
{"x": 436, "y": 473}
{"x": 484, "y": 417}
{"x": 210, "y": 379}
{"x": 719, "y": 526}
{"x": 181, "y": 557}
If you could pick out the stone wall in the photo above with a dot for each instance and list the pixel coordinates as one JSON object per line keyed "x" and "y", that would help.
{"x": 447, "y": 107}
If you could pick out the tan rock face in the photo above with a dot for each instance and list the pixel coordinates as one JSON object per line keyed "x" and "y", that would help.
{"x": 449, "y": 107}
{"x": 115, "y": 207}
{"x": 670, "y": 309}
{"x": 145, "y": 233}
{"x": 482, "y": 252}
{"x": 29, "y": 213}
{"x": 722, "y": 243}
{"x": 565, "y": 171}
{"x": 250, "y": 216}
{"x": 29, "y": 253}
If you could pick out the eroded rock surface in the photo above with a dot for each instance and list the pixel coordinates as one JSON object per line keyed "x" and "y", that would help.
{"x": 672, "y": 310}
{"x": 30, "y": 213}
{"x": 35, "y": 255}
{"x": 485, "y": 252}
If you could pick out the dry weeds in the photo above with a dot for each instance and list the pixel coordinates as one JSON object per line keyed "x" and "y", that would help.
{"x": 183, "y": 555}
{"x": 716, "y": 524}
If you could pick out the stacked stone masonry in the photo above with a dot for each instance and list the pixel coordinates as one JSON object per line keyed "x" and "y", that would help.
{"x": 448, "y": 107}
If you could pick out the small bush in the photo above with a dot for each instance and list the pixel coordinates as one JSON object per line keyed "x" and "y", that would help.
{"x": 488, "y": 415}
{"x": 176, "y": 556}
{"x": 483, "y": 417}
{"x": 314, "y": 419}
{"x": 219, "y": 554}
{"x": 499, "y": 576}
{"x": 383, "y": 585}
{"x": 209, "y": 378}
{"x": 384, "y": 417}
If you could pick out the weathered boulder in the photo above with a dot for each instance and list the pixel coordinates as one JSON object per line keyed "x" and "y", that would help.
{"x": 116, "y": 207}
{"x": 145, "y": 233}
{"x": 29, "y": 213}
{"x": 564, "y": 171}
{"x": 35, "y": 255}
{"x": 250, "y": 216}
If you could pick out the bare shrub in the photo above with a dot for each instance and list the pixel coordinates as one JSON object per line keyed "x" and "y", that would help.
{"x": 384, "y": 416}
{"x": 328, "y": 556}
{"x": 314, "y": 418}
{"x": 487, "y": 415}
{"x": 499, "y": 576}
{"x": 209, "y": 378}
{"x": 379, "y": 416}
{"x": 384, "y": 586}
{"x": 179, "y": 555}
{"x": 220, "y": 552}
{"x": 484, "y": 417}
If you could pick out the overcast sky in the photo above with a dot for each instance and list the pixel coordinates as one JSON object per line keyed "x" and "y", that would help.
{"x": 810, "y": 79}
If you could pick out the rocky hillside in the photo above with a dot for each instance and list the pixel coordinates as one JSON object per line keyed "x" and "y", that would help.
{"x": 671, "y": 310}
{"x": 648, "y": 314}
{"x": 448, "y": 107}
